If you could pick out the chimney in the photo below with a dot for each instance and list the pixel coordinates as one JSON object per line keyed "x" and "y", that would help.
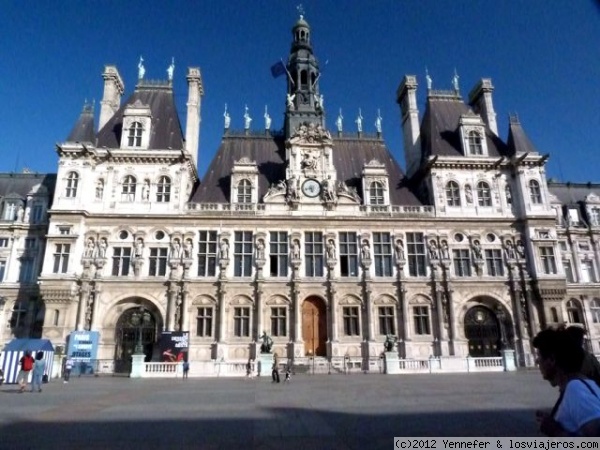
{"x": 407, "y": 99}
{"x": 192, "y": 126}
{"x": 111, "y": 100}
{"x": 480, "y": 99}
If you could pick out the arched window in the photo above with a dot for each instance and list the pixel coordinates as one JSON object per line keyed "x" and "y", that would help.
{"x": 71, "y": 185}
{"x": 534, "y": 192}
{"x": 244, "y": 191}
{"x": 474, "y": 143}
{"x": 99, "y": 189}
{"x": 376, "y": 193}
{"x": 135, "y": 135}
{"x": 484, "y": 194}
{"x": 573, "y": 312}
{"x": 128, "y": 192}
{"x": 554, "y": 314}
{"x": 163, "y": 190}
{"x": 595, "y": 310}
{"x": 453, "y": 193}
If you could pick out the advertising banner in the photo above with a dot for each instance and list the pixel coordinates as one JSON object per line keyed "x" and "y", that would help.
{"x": 174, "y": 346}
{"x": 82, "y": 348}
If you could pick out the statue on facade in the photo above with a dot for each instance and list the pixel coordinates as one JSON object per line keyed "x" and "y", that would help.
{"x": 296, "y": 249}
{"x": 141, "y": 69}
{"x": 146, "y": 190}
{"x": 292, "y": 189}
{"x": 171, "y": 70}
{"x": 508, "y": 194}
{"x": 99, "y": 189}
{"x": 378, "y": 121}
{"x": 102, "y": 246}
{"x": 260, "y": 249}
{"x": 476, "y": 248}
{"x": 224, "y": 249}
{"x": 339, "y": 121}
{"x": 175, "y": 249}
{"x": 509, "y": 249}
{"x": 309, "y": 162}
{"x": 20, "y": 213}
{"x": 520, "y": 249}
{"x": 359, "y": 121}
{"x": 445, "y": 250}
{"x": 188, "y": 248}
{"x": 139, "y": 248}
{"x": 399, "y": 247}
{"x": 289, "y": 101}
{"x": 227, "y": 118}
{"x": 331, "y": 249}
{"x": 267, "y": 343}
{"x": 319, "y": 101}
{"x": 469, "y": 193}
{"x": 390, "y": 343}
{"x": 247, "y": 118}
{"x": 365, "y": 251}
{"x": 433, "y": 250}
{"x": 89, "y": 249}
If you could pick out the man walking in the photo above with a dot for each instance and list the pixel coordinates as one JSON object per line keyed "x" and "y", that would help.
{"x": 68, "y": 368}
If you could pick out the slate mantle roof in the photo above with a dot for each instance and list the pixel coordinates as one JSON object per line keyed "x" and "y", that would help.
{"x": 21, "y": 184}
{"x": 166, "y": 127}
{"x": 518, "y": 142}
{"x": 440, "y": 134}
{"x": 573, "y": 193}
{"x": 84, "y": 130}
{"x": 349, "y": 157}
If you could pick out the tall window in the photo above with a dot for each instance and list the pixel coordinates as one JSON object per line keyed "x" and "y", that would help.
{"x": 36, "y": 213}
{"x": 207, "y": 254}
{"x": 568, "y": 271}
{"x": 313, "y": 252}
{"x": 573, "y": 312}
{"x": 595, "y": 310}
{"x": 71, "y": 185}
{"x": 9, "y": 212}
{"x": 204, "y": 322}
{"x": 135, "y": 135}
{"x": 386, "y": 320}
{"x": 547, "y": 259}
{"x": 163, "y": 190}
{"x": 26, "y": 273}
{"x": 278, "y": 253}
{"x": 278, "y": 321}
{"x": 484, "y": 194}
{"x": 554, "y": 314}
{"x": 421, "y": 317}
{"x": 453, "y": 193}
{"x": 61, "y": 258}
{"x": 2, "y": 269}
{"x": 493, "y": 260}
{"x": 475, "y": 143}
{"x": 462, "y": 262}
{"x": 594, "y": 216}
{"x": 350, "y": 315}
{"x": 244, "y": 192}
{"x": 534, "y": 192}
{"x": 19, "y": 313}
{"x": 415, "y": 251}
{"x": 121, "y": 261}
{"x": 382, "y": 250}
{"x": 3, "y": 242}
{"x": 348, "y": 254}
{"x": 587, "y": 272}
{"x": 56, "y": 317}
{"x": 241, "y": 321}
{"x": 158, "y": 262}
{"x": 242, "y": 256}
{"x": 128, "y": 189}
{"x": 376, "y": 193}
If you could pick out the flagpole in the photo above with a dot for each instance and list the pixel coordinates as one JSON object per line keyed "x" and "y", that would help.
{"x": 286, "y": 71}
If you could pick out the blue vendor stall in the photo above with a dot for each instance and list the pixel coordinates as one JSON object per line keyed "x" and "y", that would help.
{"x": 14, "y": 351}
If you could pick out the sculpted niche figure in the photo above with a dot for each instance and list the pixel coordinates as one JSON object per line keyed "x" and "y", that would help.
{"x": 260, "y": 249}
{"x": 365, "y": 250}
{"x": 433, "y": 250}
{"x": 296, "y": 249}
{"x": 102, "y": 246}
{"x": 89, "y": 249}
{"x": 331, "y": 249}
{"x": 399, "y": 247}
{"x": 224, "y": 249}
{"x": 187, "y": 249}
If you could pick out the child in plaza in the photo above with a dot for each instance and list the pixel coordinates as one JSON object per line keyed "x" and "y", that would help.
{"x": 288, "y": 373}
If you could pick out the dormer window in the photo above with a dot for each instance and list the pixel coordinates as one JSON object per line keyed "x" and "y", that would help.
{"x": 244, "y": 192}
{"x": 10, "y": 211}
{"x": 72, "y": 182}
{"x": 128, "y": 191}
{"x": 484, "y": 194}
{"x": 535, "y": 192}
{"x": 453, "y": 193}
{"x": 163, "y": 190}
{"x": 475, "y": 145}
{"x": 135, "y": 135}
{"x": 376, "y": 193}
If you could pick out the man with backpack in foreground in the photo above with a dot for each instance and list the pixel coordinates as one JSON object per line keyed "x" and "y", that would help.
{"x": 26, "y": 363}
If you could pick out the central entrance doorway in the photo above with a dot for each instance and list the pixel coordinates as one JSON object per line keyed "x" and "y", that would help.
{"x": 483, "y": 332}
{"x": 314, "y": 327}
{"x": 129, "y": 330}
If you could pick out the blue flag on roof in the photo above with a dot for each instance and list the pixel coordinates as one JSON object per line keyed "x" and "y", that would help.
{"x": 278, "y": 69}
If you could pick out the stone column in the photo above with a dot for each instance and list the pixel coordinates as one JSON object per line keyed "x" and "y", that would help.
{"x": 95, "y": 325}
{"x": 222, "y": 313}
{"x": 259, "y": 312}
{"x": 185, "y": 313}
{"x": 84, "y": 292}
{"x": 171, "y": 292}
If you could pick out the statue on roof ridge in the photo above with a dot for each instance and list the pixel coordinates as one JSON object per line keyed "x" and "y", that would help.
{"x": 378, "y": 121}
{"x": 247, "y": 118}
{"x": 171, "y": 69}
{"x": 358, "y": 121}
{"x": 455, "y": 81}
{"x": 429, "y": 80}
{"x": 227, "y": 118}
{"x": 267, "y": 119}
{"x": 339, "y": 121}
{"x": 141, "y": 69}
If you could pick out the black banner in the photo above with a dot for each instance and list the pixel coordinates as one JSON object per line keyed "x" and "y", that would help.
{"x": 174, "y": 346}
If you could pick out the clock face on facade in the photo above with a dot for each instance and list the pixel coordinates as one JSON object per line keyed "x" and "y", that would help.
{"x": 311, "y": 188}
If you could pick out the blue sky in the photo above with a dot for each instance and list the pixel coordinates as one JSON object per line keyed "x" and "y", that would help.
{"x": 543, "y": 58}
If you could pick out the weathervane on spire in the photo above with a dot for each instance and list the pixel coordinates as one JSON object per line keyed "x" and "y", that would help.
{"x": 141, "y": 69}
{"x": 171, "y": 69}
{"x": 300, "y": 10}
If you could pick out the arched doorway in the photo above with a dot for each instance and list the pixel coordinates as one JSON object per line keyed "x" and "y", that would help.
{"x": 482, "y": 329}
{"x": 314, "y": 327}
{"x": 131, "y": 329}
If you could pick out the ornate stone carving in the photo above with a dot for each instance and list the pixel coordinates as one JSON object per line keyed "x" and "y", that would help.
{"x": 309, "y": 132}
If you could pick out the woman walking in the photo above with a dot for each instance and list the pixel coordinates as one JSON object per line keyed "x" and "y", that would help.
{"x": 38, "y": 372}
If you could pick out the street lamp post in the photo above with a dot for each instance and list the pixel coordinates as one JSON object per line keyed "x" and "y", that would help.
{"x": 140, "y": 318}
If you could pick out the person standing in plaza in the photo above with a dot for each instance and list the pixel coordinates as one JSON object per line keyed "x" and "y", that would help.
{"x": 186, "y": 368}
{"x": 577, "y": 410}
{"x": 275, "y": 370}
{"x": 38, "y": 372}
{"x": 26, "y": 362}
{"x": 68, "y": 369}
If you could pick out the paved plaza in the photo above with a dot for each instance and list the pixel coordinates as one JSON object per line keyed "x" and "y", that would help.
{"x": 311, "y": 412}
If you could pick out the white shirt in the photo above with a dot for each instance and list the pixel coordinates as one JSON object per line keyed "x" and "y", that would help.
{"x": 579, "y": 405}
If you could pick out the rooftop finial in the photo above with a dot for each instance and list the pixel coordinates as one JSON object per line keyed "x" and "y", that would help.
{"x": 429, "y": 80}
{"x": 455, "y": 81}
{"x": 141, "y": 69}
{"x": 171, "y": 69}
{"x": 300, "y": 9}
